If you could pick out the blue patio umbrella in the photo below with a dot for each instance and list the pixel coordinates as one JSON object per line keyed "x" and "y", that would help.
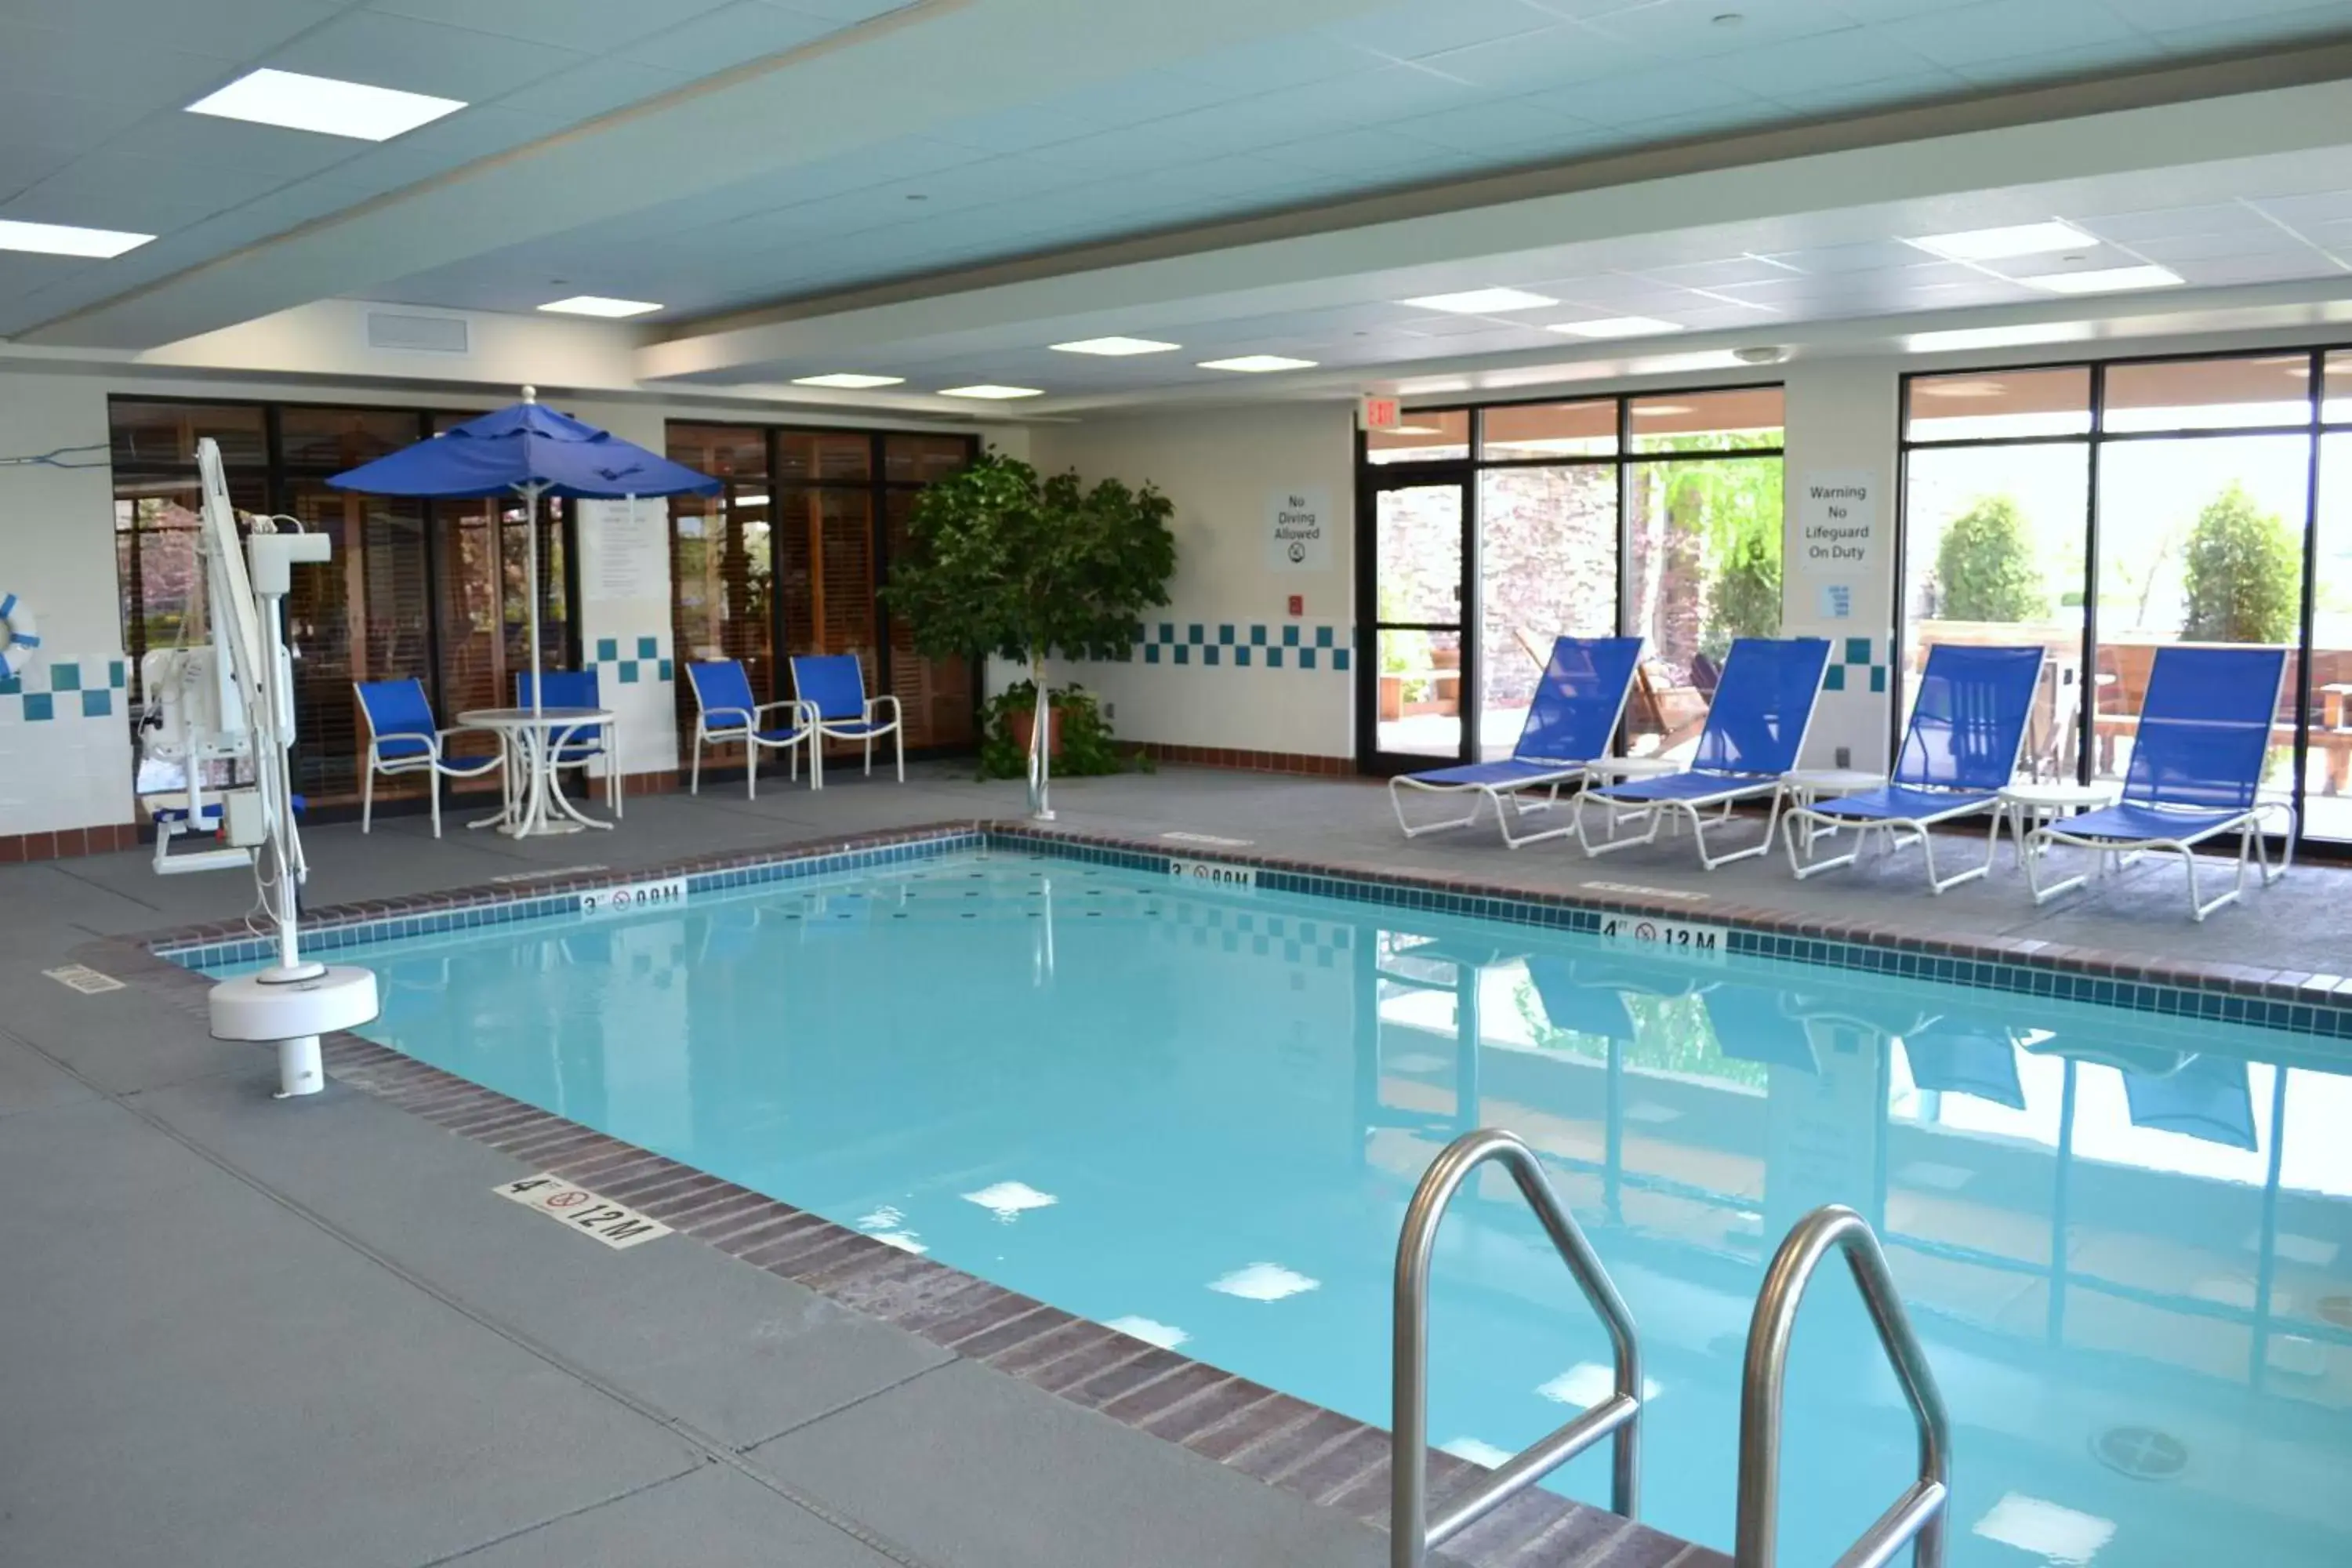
{"x": 530, "y": 450}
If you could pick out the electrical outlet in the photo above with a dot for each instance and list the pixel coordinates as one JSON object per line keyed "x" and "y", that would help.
{"x": 1845, "y": 757}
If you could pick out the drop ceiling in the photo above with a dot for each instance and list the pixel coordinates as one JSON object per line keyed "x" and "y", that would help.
{"x": 729, "y": 157}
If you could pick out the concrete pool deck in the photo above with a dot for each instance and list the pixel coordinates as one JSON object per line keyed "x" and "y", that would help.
{"x": 259, "y": 1334}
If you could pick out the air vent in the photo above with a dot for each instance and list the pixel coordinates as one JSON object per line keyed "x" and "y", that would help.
{"x": 415, "y": 334}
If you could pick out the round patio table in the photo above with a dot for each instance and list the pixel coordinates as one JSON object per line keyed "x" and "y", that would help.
{"x": 535, "y": 803}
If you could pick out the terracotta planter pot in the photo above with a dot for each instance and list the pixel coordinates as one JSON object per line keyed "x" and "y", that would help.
{"x": 1024, "y": 730}
{"x": 1392, "y": 698}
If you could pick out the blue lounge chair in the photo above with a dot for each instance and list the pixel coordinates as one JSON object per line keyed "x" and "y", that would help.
{"x": 403, "y": 739}
{"x": 1570, "y": 722}
{"x": 725, "y": 714}
{"x": 2196, "y": 762}
{"x": 833, "y": 686}
{"x": 1755, "y": 727}
{"x": 2208, "y": 1097}
{"x": 578, "y": 748}
{"x": 1958, "y": 753}
{"x": 1971, "y": 1055}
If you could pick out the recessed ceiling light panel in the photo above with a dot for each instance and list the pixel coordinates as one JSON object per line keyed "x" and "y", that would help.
{"x": 848, "y": 381}
{"x": 1481, "y": 301}
{"x": 1999, "y": 244}
{"x": 324, "y": 104}
{"x": 2104, "y": 281}
{"x": 991, "y": 392}
{"x": 1257, "y": 364}
{"x": 599, "y": 305}
{"x": 1116, "y": 348}
{"x": 64, "y": 239}
{"x": 1616, "y": 327}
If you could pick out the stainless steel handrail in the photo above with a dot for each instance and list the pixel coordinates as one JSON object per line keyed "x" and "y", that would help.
{"x": 1411, "y": 1533}
{"x": 1917, "y": 1517}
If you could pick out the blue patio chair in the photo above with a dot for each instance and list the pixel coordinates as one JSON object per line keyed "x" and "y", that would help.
{"x": 1570, "y": 722}
{"x": 2196, "y": 762}
{"x": 579, "y": 748}
{"x": 1756, "y": 726}
{"x": 1958, "y": 753}
{"x": 403, "y": 739}
{"x": 833, "y": 686}
{"x": 725, "y": 714}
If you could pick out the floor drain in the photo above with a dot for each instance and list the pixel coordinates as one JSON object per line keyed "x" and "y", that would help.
{"x": 2336, "y": 1309}
{"x": 2142, "y": 1453}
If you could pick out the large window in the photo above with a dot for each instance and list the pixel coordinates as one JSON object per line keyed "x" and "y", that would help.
{"x": 2108, "y": 510}
{"x": 785, "y": 560}
{"x": 432, "y": 590}
{"x": 1489, "y": 532}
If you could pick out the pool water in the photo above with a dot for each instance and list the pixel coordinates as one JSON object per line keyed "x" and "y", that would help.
{"x": 1198, "y": 1114}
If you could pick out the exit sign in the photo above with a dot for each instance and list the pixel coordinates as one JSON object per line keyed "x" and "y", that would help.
{"x": 1381, "y": 412}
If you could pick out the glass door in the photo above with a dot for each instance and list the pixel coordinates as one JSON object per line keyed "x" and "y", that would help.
{"x": 1423, "y": 668}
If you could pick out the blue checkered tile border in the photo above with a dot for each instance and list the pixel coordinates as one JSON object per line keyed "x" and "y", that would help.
{"x": 1857, "y": 664}
{"x": 628, "y": 660}
{"x": 1244, "y": 645}
{"x": 60, "y": 688}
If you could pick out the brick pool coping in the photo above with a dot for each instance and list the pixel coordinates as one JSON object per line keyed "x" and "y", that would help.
{"x": 1315, "y": 1452}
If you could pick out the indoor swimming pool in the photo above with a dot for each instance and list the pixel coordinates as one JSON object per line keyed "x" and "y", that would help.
{"x": 1196, "y": 1113}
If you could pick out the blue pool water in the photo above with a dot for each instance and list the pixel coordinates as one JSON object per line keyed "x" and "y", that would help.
{"x": 1199, "y": 1114}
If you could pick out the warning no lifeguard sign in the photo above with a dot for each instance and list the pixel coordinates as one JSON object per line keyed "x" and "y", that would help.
{"x": 583, "y": 1210}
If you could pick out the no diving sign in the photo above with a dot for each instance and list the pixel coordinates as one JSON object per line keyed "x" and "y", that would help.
{"x": 1299, "y": 530}
{"x": 583, "y": 1210}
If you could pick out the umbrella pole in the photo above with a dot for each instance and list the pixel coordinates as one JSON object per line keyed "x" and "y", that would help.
{"x": 535, "y": 738}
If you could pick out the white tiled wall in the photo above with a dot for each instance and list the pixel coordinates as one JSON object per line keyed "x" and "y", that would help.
{"x": 65, "y": 746}
{"x": 1221, "y": 665}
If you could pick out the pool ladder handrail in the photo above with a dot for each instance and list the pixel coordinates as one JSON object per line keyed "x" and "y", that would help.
{"x": 1410, "y": 1533}
{"x": 1919, "y": 1517}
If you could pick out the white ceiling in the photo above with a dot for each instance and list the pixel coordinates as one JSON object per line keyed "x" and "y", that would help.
{"x": 722, "y": 156}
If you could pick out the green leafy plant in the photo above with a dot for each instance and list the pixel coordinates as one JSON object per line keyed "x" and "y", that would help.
{"x": 1002, "y": 561}
{"x": 2240, "y": 572}
{"x": 1986, "y": 567}
{"x": 1744, "y": 600}
{"x": 1088, "y": 748}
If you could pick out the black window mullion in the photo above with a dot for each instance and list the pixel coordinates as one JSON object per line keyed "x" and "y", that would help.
{"x": 2086, "y": 721}
{"x": 2315, "y": 389}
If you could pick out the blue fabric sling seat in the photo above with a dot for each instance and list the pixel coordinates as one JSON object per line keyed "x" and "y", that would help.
{"x": 1571, "y": 720}
{"x": 2198, "y": 754}
{"x": 1958, "y": 752}
{"x": 1756, "y": 726}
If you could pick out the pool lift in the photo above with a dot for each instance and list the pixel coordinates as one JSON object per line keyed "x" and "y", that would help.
{"x": 294, "y": 1001}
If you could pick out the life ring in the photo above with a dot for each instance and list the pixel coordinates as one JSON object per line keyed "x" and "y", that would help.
{"x": 23, "y": 638}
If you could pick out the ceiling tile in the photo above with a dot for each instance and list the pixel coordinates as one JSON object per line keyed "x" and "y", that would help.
{"x": 2003, "y": 29}
{"x": 1566, "y": 54}
{"x": 1014, "y": 129}
{"x": 1859, "y": 97}
{"x": 2258, "y": 238}
{"x": 420, "y": 56}
{"x": 2224, "y": 271}
{"x": 240, "y": 144}
{"x": 44, "y": 59}
{"x": 732, "y": 36}
{"x": 54, "y": 122}
{"x": 1636, "y": 97}
{"x": 1814, "y": 65}
{"x": 1270, "y": 64}
{"x": 1133, "y": 99}
{"x": 1870, "y": 255}
{"x": 2167, "y": 15}
{"x": 2168, "y": 223}
{"x": 2088, "y": 61}
{"x": 1377, "y": 156}
{"x": 2319, "y": 206}
{"x": 1409, "y": 32}
{"x": 1499, "y": 126}
{"x": 149, "y": 195}
{"x": 592, "y": 26}
{"x": 225, "y": 29}
{"x": 449, "y": 143}
{"x": 1719, "y": 274}
{"x": 591, "y": 88}
{"x": 1688, "y": 29}
{"x": 2237, "y": 30}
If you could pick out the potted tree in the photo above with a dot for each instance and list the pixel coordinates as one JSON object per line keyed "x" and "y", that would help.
{"x": 1000, "y": 559}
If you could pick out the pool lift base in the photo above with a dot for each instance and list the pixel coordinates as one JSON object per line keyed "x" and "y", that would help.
{"x": 294, "y": 1007}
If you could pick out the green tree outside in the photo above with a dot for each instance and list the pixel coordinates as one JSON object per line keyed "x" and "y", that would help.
{"x": 1985, "y": 567}
{"x": 2242, "y": 574}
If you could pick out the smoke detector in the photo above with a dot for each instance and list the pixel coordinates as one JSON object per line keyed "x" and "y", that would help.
{"x": 1767, "y": 355}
